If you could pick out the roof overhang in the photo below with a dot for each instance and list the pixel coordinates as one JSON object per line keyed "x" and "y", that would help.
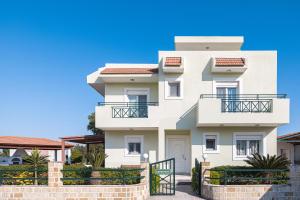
{"x": 208, "y": 43}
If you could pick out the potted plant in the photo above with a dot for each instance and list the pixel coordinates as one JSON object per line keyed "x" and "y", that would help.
{"x": 96, "y": 157}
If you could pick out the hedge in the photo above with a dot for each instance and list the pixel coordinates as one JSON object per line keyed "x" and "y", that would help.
{"x": 22, "y": 171}
{"x": 85, "y": 172}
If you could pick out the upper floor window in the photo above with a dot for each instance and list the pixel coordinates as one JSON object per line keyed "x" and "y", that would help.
{"x": 226, "y": 89}
{"x": 173, "y": 88}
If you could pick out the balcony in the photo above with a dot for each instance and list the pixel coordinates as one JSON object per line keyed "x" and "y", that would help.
{"x": 243, "y": 110}
{"x": 123, "y": 115}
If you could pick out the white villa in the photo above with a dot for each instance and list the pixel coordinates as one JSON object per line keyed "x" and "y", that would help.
{"x": 207, "y": 99}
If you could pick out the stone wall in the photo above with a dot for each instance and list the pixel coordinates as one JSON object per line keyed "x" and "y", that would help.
{"x": 250, "y": 192}
{"x": 57, "y": 191}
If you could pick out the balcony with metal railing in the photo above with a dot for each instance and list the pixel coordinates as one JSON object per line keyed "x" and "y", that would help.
{"x": 127, "y": 115}
{"x": 243, "y": 110}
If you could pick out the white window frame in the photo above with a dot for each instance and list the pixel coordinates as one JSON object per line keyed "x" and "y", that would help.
{"x": 206, "y": 136}
{"x": 227, "y": 81}
{"x": 136, "y": 91}
{"x": 127, "y": 139}
{"x": 249, "y": 136}
{"x": 167, "y": 88}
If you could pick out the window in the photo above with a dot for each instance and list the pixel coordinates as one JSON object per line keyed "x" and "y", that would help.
{"x": 173, "y": 88}
{"x": 134, "y": 148}
{"x": 210, "y": 143}
{"x": 246, "y": 145}
{"x": 134, "y": 145}
{"x": 226, "y": 89}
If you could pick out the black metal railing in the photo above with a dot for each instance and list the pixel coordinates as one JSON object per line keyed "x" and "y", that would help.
{"x": 106, "y": 176}
{"x": 265, "y": 105}
{"x": 129, "y": 109}
{"x": 254, "y": 103}
{"x": 25, "y": 176}
{"x": 247, "y": 176}
{"x": 162, "y": 177}
{"x": 245, "y": 96}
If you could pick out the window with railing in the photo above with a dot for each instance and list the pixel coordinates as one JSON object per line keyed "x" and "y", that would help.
{"x": 256, "y": 103}
{"x": 129, "y": 109}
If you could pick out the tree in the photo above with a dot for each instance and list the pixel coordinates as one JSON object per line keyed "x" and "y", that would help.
{"x": 268, "y": 162}
{"x": 36, "y": 159}
{"x": 78, "y": 154}
{"x": 91, "y": 125}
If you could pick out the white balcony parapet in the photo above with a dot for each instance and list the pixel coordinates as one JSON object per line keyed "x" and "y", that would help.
{"x": 243, "y": 110}
{"x": 122, "y": 115}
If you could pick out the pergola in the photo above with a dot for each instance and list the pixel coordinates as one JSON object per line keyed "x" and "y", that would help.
{"x": 84, "y": 139}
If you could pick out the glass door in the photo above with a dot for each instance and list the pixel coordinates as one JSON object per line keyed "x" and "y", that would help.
{"x": 138, "y": 105}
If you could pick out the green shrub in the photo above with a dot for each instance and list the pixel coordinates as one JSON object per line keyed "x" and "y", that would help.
{"x": 124, "y": 176}
{"x": 155, "y": 182}
{"x": 194, "y": 180}
{"x": 80, "y": 171}
{"x": 244, "y": 177}
{"x": 22, "y": 171}
{"x": 113, "y": 177}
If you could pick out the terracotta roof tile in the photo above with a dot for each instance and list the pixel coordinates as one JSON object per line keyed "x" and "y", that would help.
{"x": 30, "y": 142}
{"x": 130, "y": 71}
{"x": 221, "y": 62}
{"x": 173, "y": 61}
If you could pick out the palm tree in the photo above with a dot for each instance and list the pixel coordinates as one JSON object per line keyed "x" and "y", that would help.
{"x": 268, "y": 162}
{"x": 36, "y": 159}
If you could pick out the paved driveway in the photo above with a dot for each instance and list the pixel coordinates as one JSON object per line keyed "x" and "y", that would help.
{"x": 183, "y": 190}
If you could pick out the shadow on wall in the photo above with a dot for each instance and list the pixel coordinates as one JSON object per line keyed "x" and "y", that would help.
{"x": 188, "y": 119}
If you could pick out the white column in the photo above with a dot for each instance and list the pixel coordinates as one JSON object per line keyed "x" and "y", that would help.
{"x": 161, "y": 144}
{"x": 69, "y": 155}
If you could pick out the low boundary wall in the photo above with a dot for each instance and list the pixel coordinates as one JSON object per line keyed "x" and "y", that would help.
{"x": 249, "y": 192}
{"x": 57, "y": 191}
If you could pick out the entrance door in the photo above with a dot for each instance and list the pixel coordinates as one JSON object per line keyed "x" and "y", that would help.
{"x": 177, "y": 147}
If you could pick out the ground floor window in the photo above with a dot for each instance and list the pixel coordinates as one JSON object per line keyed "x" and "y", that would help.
{"x": 211, "y": 143}
{"x": 246, "y": 145}
{"x": 134, "y": 145}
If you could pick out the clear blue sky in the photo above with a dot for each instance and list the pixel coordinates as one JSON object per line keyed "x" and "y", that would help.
{"x": 47, "y": 48}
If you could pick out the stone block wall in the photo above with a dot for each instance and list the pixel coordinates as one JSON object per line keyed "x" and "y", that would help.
{"x": 250, "y": 192}
{"x": 57, "y": 191}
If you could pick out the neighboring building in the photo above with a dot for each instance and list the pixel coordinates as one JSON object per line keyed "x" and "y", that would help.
{"x": 289, "y": 146}
{"x": 207, "y": 99}
{"x": 21, "y": 146}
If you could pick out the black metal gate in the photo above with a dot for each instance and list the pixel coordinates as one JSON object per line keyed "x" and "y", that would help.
{"x": 162, "y": 177}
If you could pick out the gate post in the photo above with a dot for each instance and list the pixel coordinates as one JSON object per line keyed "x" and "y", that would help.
{"x": 204, "y": 174}
{"x": 145, "y": 174}
{"x": 55, "y": 174}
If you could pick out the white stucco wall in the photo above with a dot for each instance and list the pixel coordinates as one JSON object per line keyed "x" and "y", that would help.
{"x": 115, "y": 147}
{"x": 183, "y": 114}
{"x": 114, "y": 92}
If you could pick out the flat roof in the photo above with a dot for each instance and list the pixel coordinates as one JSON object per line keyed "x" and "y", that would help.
{"x": 208, "y": 43}
{"x": 209, "y": 39}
